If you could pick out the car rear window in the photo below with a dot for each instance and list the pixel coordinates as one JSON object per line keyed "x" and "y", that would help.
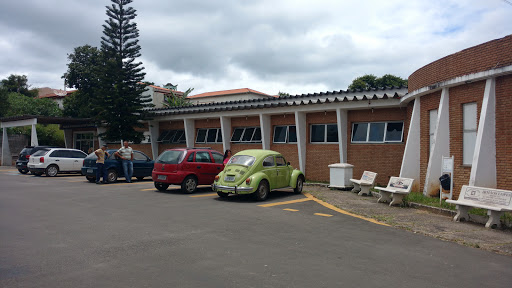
{"x": 41, "y": 152}
{"x": 242, "y": 160}
{"x": 92, "y": 156}
{"x": 26, "y": 151}
{"x": 171, "y": 157}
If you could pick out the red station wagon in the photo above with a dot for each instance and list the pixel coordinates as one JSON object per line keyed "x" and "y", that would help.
{"x": 187, "y": 167}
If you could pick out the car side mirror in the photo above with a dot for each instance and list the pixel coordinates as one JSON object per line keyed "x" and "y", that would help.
{"x": 288, "y": 163}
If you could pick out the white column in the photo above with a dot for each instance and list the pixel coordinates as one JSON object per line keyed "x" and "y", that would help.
{"x": 265, "y": 131}
{"x": 153, "y": 134}
{"x": 300, "y": 123}
{"x": 6, "y": 152}
{"x": 33, "y": 136}
{"x": 483, "y": 168}
{"x": 341, "y": 117}
{"x": 411, "y": 159}
{"x": 101, "y": 141}
{"x": 190, "y": 131}
{"x": 68, "y": 138}
{"x": 440, "y": 147}
{"x": 225, "y": 127}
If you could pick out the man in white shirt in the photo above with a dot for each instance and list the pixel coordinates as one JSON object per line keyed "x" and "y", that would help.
{"x": 126, "y": 154}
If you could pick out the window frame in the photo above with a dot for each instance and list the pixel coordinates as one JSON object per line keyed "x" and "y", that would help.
{"x": 218, "y": 134}
{"x": 384, "y": 136}
{"x": 466, "y": 131}
{"x": 287, "y": 134}
{"x": 244, "y": 129}
{"x": 325, "y": 133}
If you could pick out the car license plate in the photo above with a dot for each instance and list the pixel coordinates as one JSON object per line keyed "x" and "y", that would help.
{"x": 89, "y": 170}
{"x": 162, "y": 177}
{"x": 229, "y": 178}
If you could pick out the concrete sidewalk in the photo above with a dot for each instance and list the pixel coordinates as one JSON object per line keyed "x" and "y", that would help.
{"x": 418, "y": 220}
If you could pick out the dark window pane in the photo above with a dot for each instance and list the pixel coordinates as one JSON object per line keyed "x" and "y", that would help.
{"x": 203, "y": 157}
{"x": 190, "y": 157}
{"x": 280, "y": 134}
{"x": 248, "y": 134}
{"x": 376, "y": 132}
{"x": 394, "y": 131}
{"x": 219, "y": 136}
{"x": 162, "y": 135}
{"x": 201, "y": 134}
{"x": 292, "y": 134}
{"x": 139, "y": 156}
{"x": 359, "y": 132}
{"x": 237, "y": 134}
{"x": 78, "y": 154}
{"x": 218, "y": 158}
{"x": 177, "y": 137}
{"x": 268, "y": 162}
{"x": 280, "y": 161}
{"x": 168, "y": 138}
{"x": 318, "y": 133}
{"x": 257, "y": 135}
{"x": 212, "y": 136}
{"x": 332, "y": 133}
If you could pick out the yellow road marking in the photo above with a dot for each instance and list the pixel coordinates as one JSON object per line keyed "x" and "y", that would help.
{"x": 332, "y": 207}
{"x": 149, "y": 189}
{"x": 285, "y": 202}
{"x": 288, "y": 209}
{"x": 324, "y": 215}
{"x": 204, "y": 195}
{"x": 133, "y": 183}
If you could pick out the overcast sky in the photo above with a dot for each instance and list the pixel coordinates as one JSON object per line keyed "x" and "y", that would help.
{"x": 293, "y": 46}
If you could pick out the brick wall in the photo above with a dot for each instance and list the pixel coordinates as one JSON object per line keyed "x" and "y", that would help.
{"x": 490, "y": 55}
{"x": 363, "y": 156}
{"x": 504, "y": 131}
{"x": 460, "y": 95}
{"x": 319, "y": 156}
{"x": 428, "y": 102}
{"x": 289, "y": 151}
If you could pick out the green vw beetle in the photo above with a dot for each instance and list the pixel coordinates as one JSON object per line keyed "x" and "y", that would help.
{"x": 259, "y": 172}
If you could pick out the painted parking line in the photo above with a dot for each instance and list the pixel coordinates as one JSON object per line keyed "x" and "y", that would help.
{"x": 332, "y": 207}
{"x": 286, "y": 202}
{"x": 133, "y": 183}
{"x": 149, "y": 189}
{"x": 323, "y": 215}
{"x": 204, "y": 195}
{"x": 289, "y": 209}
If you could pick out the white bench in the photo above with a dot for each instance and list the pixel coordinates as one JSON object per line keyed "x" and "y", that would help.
{"x": 495, "y": 201}
{"x": 397, "y": 188}
{"x": 364, "y": 184}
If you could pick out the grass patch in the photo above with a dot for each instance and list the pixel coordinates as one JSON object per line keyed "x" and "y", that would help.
{"x": 422, "y": 199}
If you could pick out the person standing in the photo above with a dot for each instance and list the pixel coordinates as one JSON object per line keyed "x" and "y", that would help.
{"x": 126, "y": 154}
{"x": 100, "y": 164}
{"x": 227, "y": 156}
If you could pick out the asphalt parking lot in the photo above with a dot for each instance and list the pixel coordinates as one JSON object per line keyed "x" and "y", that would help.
{"x": 67, "y": 232}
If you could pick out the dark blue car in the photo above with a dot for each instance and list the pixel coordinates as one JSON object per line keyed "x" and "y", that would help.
{"x": 142, "y": 166}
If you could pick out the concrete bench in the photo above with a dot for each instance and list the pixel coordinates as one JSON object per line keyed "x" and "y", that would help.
{"x": 364, "y": 184}
{"x": 397, "y": 188}
{"x": 495, "y": 201}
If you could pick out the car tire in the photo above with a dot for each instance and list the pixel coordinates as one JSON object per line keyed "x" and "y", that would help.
{"x": 161, "y": 186}
{"x": 222, "y": 195}
{"x": 91, "y": 179}
{"x": 112, "y": 175}
{"x": 23, "y": 171}
{"x": 140, "y": 178}
{"x": 299, "y": 185}
{"x": 189, "y": 185}
{"x": 52, "y": 170}
{"x": 262, "y": 192}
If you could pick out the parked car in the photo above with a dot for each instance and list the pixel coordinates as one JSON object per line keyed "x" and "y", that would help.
{"x": 55, "y": 160}
{"x": 142, "y": 166}
{"x": 21, "y": 163}
{"x": 257, "y": 172}
{"x": 187, "y": 167}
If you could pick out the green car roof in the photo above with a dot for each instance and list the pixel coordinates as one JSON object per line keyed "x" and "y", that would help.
{"x": 257, "y": 153}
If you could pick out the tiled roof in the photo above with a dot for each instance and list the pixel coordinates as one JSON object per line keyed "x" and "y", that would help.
{"x": 228, "y": 92}
{"x": 60, "y": 94}
{"x": 297, "y": 100}
{"x": 164, "y": 90}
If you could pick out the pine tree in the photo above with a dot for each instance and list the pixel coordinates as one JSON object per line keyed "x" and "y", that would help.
{"x": 121, "y": 101}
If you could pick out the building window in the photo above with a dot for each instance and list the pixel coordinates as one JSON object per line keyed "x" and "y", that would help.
{"x": 84, "y": 141}
{"x": 377, "y": 132}
{"x": 324, "y": 133}
{"x": 246, "y": 135}
{"x": 469, "y": 114}
{"x": 432, "y": 127}
{"x": 210, "y": 135}
{"x": 285, "y": 134}
{"x": 172, "y": 136}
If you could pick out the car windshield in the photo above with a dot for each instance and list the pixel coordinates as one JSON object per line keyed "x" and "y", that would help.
{"x": 41, "y": 152}
{"x": 171, "y": 157}
{"x": 92, "y": 156}
{"x": 242, "y": 160}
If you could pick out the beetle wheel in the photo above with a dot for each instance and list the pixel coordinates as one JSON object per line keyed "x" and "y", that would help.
{"x": 262, "y": 191}
{"x": 300, "y": 185}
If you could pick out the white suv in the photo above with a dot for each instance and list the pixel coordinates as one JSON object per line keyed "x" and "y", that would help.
{"x": 55, "y": 160}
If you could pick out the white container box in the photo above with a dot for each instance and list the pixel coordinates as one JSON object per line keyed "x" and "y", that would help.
{"x": 340, "y": 175}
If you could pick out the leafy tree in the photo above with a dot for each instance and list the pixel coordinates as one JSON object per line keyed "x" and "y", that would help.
{"x": 83, "y": 74}
{"x": 21, "y": 105}
{"x": 4, "y": 103}
{"x": 19, "y": 84}
{"x": 283, "y": 94}
{"x": 370, "y": 81}
{"x": 121, "y": 102}
{"x": 174, "y": 100}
